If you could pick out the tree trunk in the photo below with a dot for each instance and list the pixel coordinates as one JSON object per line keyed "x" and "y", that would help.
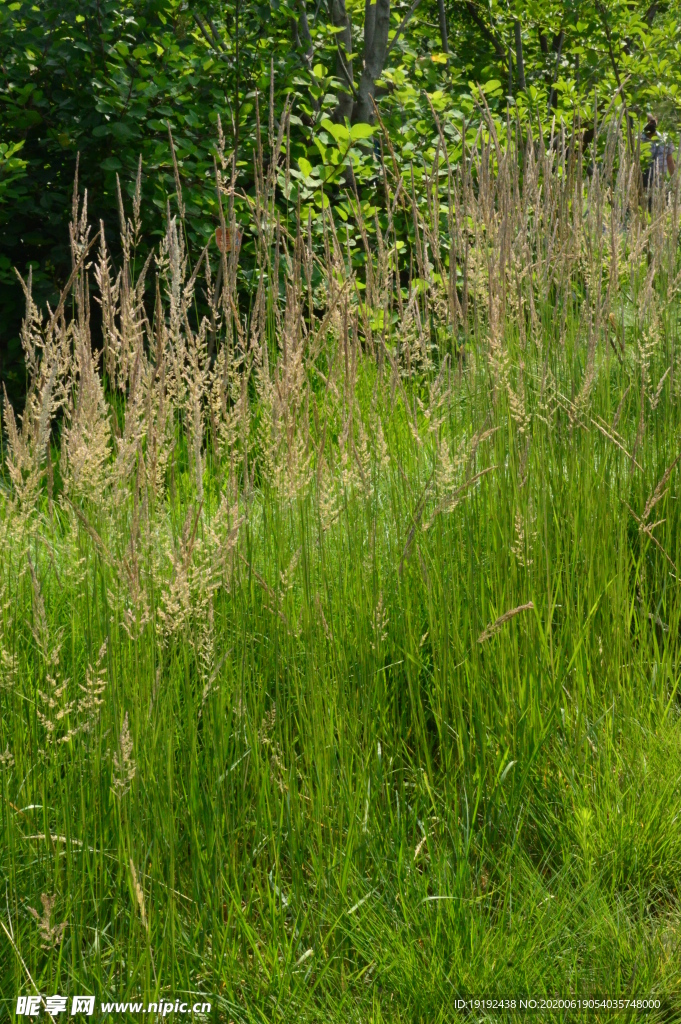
{"x": 442, "y": 14}
{"x": 304, "y": 29}
{"x": 369, "y": 23}
{"x": 519, "y": 55}
{"x": 374, "y": 59}
{"x": 340, "y": 19}
{"x": 486, "y": 31}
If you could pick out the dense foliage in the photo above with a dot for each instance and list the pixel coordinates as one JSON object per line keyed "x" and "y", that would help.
{"x": 105, "y": 80}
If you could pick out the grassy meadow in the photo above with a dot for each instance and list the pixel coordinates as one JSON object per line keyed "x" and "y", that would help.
{"x": 340, "y": 637}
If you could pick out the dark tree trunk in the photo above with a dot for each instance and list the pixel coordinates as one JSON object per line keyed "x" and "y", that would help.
{"x": 369, "y": 23}
{"x": 486, "y": 30}
{"x": 341, "y": 19}
{"x": 442, "y": 15}
{"x": 374, "y": 60}
{"x": 304, "y": 29}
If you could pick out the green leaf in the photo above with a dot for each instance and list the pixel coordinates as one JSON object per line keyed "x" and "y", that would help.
{"x": 8, "y": 151}
{"x": 339, "y": 131}
{"x": 305, "y": 166}
{"x": 121, "y": 131}
{"x": 361, "y": 131}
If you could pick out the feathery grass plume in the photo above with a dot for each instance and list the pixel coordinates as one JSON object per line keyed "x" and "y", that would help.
{"x": 381, "y": 452}
{"x": 494, "y": 627}
{"x": 379, "y": 624}
{"x": 93, "y": 692}
{"x": 8, "y": 649}
{"x": 267, "y": 725}
{"x": 53, "y": 707}
{"x": 293, "y": 469}
{"x": 288, "y": 574}
{"x": 222, "y": 536}
{"x": 225, "y": 403}
{"x": 172, "y": 268}
{"x": 108, "y": 300}
{"x": 128, "y": 446}
{"x": 196, "y": 377}
{"x": 50, "y": 935}
{"x": 325, "y": 626}
{"x": 265, "y": 738}
{"x": 124, "y": 766}
{"x": 7, "y": 759}
{"x": 646, "y": 350}
{"x": 516, "y": 403}
{"x": 328, "y": 497}
{"x": 499, "y": 361}
{"x": 267, "y": 438}
{"x": 31, "y": 336}
{"x": 139, "y": 895}
{"x": 27, "y": 448}
{"x": 48, "y": 356}
{"x": 360, "y": 451}
{"x": 195, "y": 576}
{"x": 453, "y": 476}
{"x": 159, "y": 412}
{"x": 86, "y": 444}
{"x": 204, "y": 645}
{"x": 520, "y": 541}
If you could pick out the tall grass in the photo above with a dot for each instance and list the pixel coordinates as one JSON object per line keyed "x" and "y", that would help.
{"x": 340, "y": 641}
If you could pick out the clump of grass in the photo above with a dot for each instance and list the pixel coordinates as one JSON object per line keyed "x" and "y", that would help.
{"x": 340, "y": 641}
